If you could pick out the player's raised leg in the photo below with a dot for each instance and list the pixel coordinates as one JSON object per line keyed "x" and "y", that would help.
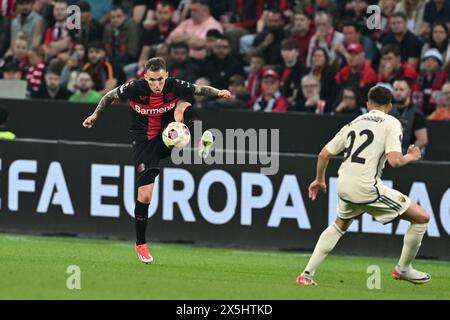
{"x": 326, "y": 243}
{"x": 411, "y": 244}
{"x": 141, "y": 219}
{"x": 187, "y": 114}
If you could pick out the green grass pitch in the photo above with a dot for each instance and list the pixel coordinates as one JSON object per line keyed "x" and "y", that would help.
{"x": 35, "y": 268}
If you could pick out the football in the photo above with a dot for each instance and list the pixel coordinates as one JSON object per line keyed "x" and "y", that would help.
{"x": 176, "y": 134}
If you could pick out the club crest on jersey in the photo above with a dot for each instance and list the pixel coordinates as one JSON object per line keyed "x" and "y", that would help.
{"x": 168, "y": 96}
{"x": 142, "y": 98}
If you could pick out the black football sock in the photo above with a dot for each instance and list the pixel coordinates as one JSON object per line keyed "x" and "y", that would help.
{"x": 140, "y": 218}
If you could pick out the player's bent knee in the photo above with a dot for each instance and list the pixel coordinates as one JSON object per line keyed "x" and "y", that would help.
{"x": 342, "y": 224}
{"x": 424, "y": 217}
{"x": 144, "y": 195}
{"x": 144, "y": 198}
{"x": 416, "y": 214}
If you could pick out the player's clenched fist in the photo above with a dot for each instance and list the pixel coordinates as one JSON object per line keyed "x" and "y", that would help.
{"x": 414, "y": 151}
{"x": 89, "y": 122}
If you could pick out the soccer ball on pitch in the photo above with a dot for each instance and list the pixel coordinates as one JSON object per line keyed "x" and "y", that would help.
{"x": 176, "y": 134}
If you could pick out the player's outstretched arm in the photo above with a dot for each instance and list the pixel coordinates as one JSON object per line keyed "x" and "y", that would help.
{"x": 396, "y": 159}
{"x": 107, "y": 100}
{"x": 319, "y": 183}
{"x": 212, "y": 92}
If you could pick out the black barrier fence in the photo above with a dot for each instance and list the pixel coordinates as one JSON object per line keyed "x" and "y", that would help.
{"x": 299, "y": 133}
{"x": 87, "y": 189}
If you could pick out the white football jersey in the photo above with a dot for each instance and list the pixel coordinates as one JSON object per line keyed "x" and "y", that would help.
{"x": 365, "y": 141}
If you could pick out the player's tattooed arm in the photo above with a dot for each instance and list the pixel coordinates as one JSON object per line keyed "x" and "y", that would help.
{"x": 206, "y": 91}
{"x": 107, "y": 100}
{"x": 212, "y": 92}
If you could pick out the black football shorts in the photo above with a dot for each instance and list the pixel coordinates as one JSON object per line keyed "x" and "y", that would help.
{"x": 148, "y": 153}
{"x": 146, "y": 156}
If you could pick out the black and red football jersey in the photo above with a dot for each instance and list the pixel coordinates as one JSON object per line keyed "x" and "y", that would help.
{"x": 148, "y": 108}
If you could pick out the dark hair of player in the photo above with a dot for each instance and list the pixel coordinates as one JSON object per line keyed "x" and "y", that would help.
{"x": 155, "y": 64}
{"x": 380, "y": 96}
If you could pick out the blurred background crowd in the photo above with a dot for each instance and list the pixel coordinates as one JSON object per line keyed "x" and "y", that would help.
{"x": 318, "y": 56}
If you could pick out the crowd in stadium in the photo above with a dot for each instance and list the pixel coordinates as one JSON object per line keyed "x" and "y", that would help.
{"x": 319, "y": 56}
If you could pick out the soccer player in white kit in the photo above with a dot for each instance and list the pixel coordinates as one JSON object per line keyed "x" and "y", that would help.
{"x": 367, "y": 142}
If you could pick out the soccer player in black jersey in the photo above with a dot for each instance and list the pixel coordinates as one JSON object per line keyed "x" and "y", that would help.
{"x": 155, "y": 101}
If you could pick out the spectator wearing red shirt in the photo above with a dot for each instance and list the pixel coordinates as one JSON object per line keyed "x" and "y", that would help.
{"x": 7, "y": 8}
{"x": 257, "y": 63}
{"x": 431, "y": 80}
{"x": 270, "y": 99}
{"x": 358, "y": 72}
{"x": 57, "y": 38}
{"x": 302, "y": 33}
{"x": 248, "y": 11}
{"x": 35, "y": 74}
{"x": 352, "y": 34}
{"x": 391, "y": 67}
{"x": 291, "y": 71}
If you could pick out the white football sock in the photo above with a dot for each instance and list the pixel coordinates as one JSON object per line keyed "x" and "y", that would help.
{"x": 411, "y": 244}
{"x": 327, "y": 241}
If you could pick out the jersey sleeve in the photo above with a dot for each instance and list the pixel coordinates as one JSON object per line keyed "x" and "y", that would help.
{"x": 185, "y": 89}
{"x": 394, "y": 137}
{"x": 337, "y": 144}
{"x": 127, "y": 90}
